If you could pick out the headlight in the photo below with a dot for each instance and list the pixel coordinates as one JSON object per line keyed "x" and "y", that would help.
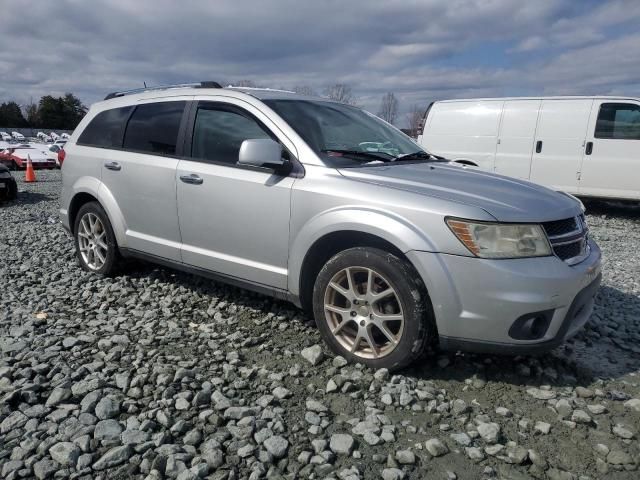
{"x": 501, "y": 240}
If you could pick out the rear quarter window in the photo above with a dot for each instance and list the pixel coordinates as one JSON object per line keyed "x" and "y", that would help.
{"x": 153, "y": 128}
{"x": 106, "y": 128}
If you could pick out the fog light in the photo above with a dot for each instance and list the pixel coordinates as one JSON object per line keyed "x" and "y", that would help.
{"x": 531, "y": 326}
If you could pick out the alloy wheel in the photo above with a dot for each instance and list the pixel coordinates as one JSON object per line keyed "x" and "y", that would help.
{"x": 92, "y": 241}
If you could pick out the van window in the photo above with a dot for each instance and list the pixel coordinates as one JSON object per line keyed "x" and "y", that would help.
{"x": 106, "y": 128}
{"x": 153, "y": 128}
{"x": 618, "y": 121}
{"x": 219, "y": 131}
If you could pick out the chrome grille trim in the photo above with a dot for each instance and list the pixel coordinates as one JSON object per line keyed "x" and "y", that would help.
{"x": 568, "y": 232}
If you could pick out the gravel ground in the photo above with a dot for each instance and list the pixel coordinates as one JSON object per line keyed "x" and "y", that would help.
{"x": 158, "y": 374}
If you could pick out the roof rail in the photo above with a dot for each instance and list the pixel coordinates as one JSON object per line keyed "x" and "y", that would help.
{"x": 205, "y": 84}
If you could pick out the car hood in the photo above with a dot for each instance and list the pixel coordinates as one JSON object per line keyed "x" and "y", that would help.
{"x": 506, "y": 199}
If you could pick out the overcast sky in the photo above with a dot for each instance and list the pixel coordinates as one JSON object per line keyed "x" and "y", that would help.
{"x": 420, "y": 50}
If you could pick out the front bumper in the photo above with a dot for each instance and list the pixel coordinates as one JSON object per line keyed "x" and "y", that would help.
{"x": 476, "y": 301}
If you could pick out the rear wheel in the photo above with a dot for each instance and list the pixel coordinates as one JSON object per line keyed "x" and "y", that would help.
{"x": 371, "y": 307}
{"x": 95, "y": 241}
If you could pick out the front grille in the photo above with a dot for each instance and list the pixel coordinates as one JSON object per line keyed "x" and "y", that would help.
{"x": 568, "y": 238}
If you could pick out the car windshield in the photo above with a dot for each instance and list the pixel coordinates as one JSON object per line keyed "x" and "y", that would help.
{"x": 345, "y": 136}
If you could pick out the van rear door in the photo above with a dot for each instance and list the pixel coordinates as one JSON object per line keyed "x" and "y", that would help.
{"x": 610, "y": 167}
{"x": 559, "y": 145}
{"x": 516, "y": 139}
{"x": 464, "y": 130}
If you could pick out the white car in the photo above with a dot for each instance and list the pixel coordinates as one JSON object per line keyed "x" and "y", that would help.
{"x": 65, "y": 136}
{"x": 5, "y": 137}
{"x": 54, "y": 135}
{"x": 17, "y": 136}
{"x": 586, "y": 146}
{"x": 52, "y": 152}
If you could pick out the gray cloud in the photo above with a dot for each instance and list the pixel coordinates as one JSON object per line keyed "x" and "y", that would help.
{"x": 421, "y": 50}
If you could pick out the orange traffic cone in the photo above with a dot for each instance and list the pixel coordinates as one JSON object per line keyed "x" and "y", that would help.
{"x": 30, "y": 175}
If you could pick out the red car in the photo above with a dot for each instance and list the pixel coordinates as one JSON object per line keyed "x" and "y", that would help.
{"x": 15, "y": 157}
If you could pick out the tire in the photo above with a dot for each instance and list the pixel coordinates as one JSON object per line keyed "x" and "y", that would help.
{"x": 351, "y": 319}
{"x": 92, "y": 261}
{"x": 12, "y": 193}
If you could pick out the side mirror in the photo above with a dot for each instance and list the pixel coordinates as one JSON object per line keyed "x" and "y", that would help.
{"x": 261, "y": 152}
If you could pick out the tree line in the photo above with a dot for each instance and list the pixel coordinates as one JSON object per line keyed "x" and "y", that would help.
{"x": 60, "y": 113}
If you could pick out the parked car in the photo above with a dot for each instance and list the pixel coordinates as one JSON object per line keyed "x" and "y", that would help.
{"x": 5, "y": 137}
{"x": 8, "y": 185}
{"x": 64, "y": 136}
{"x": 54, "y": 135}
{"x": 587, "y": 146}
{"x": 52, "y": 153}
{"x": 15, "y": 157}
{"x": 272, "y": 191}
{"x": 17, "y": 136}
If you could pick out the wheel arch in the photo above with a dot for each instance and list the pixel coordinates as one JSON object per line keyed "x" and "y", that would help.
{"x": 336, "y": 231}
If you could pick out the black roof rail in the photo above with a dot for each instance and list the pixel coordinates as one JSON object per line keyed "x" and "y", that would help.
{"x": 204, "y": 84}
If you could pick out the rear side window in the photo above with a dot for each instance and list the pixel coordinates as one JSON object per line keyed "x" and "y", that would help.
{"x": 106, "y": 129}
{"x": 153, "y": 128}
{"x": 618, "y": 121}
{"x": 219, "y": 132}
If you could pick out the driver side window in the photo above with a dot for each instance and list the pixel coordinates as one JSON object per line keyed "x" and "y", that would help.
{"x": 219, "y": 131}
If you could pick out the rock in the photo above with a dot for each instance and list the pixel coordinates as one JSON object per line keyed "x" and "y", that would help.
{"x": 489, "y": 432}
{"x": 503, "y": 412}
{"x": 406, "y": 457}
{"x": 517, "y": 454}
{"x": 474, "y": 453}
{"x": 115, "y": 456}
{"x": 459, "y": 407}
{"x": 57, "y": 396}
{"x": 541, "y": 394}
{"x": 392, "y": 474}
{"x": 623, "y": 432}
{"x": 315, "y": 406}
{"x": 341, "y": 443}
{"x": 107, "y": 407}
{"x": 461, "y": 439}
{"x": 13, "y": 421}
{"x": 107, "y": 430}
{"x": 542, "y": 427}
{"x": 582, "y": 392}
{"x": 435, "y": 447}
{"x": 618, "y": 457}
{"x": 381, "y": 375}
{"x": 596, "y": 409}
{"x": 633, "y": 404}
{"x": 580, "y": 416}
{"x": 339, "y": 362}
{"x": 276, "y": 446}
{"x": 362, "y": 428}
{"x": 214, "y": 457}
{"x": 281, "y": 393}
{"x": 563, "y": 407}
{"x": 313, "y": 354}
{"x": 65, "y": 453}
{"x": 44, "y": 468}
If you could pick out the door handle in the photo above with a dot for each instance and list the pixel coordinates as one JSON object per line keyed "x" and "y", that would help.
{"x": 113, "y": 166}
{"x": 192, "y": 179}
{"x": 589, "y": 148}
{"x": 538, "y": 146}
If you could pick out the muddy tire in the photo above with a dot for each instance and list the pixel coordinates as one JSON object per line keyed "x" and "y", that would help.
{"x": 371, "y": 307}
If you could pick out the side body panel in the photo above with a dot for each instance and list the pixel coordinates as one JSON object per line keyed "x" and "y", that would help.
{"x": 464, "y": 130}
{"x": 516, "y": 139}
{"x": 560, "y": 137}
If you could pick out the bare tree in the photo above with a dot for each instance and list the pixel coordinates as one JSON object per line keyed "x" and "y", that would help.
{"x": 414, "y": 120}
{"x": 341, "y": 92}
{"x": 389, "y": 108}
{"x": 304, "y": 90}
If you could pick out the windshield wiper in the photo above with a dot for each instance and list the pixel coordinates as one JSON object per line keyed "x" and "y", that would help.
{"x": 420, "y": 154}
{"x": 358, "y": 153}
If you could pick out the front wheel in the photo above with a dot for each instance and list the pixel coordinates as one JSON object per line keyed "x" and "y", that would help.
{"x": 95, "y": 241}
{"x": 371, "y": 307}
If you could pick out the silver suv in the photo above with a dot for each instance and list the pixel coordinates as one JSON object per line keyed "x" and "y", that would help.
{"x": 328, "y": 206}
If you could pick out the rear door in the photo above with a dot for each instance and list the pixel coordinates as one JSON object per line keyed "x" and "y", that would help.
{"x": 611, "y": 164}
{"x": 141, "y": 178}
{"x": 516, "y": 138}
{"x": 559, "y": 145}
{"x": 234, "y": 220}
{"x": 465, "y": 130}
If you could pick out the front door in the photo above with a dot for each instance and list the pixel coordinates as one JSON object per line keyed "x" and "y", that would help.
{"x": 560, "y": 136}
{"x": 234, "y": 220}
{"x": 611, "y": 164}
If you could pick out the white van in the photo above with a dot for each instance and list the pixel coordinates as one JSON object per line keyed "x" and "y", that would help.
{"x": 588, "y": 146}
